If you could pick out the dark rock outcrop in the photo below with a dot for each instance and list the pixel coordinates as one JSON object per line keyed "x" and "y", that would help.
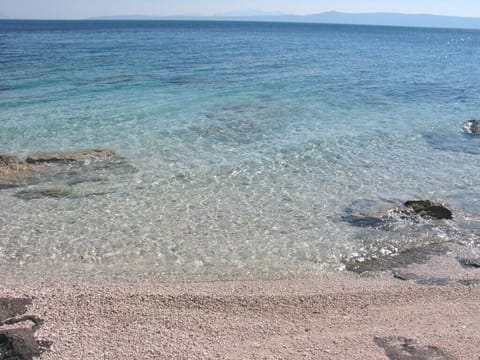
{"x": 428, "y": 209}
{"x": 472, "y": 126}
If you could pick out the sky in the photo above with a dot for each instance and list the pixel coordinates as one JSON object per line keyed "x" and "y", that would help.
{"x": 80, "y": 9}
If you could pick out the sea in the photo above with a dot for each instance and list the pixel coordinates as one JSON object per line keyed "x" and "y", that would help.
{"x": 244, "y": 149}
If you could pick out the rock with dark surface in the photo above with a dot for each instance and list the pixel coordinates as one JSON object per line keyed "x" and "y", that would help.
{"x": 472, "y": 126}
{"x": 13, "y": 307}
{"x": 7, "y": 350}
{"x": 18, "y": 342}
{"x": 429, "y": 209}
{"x": 84, "y": 155}
{"x": 400, "y": 348}
{"x": 421, "y": 280}
{"x": 472, "y": 263}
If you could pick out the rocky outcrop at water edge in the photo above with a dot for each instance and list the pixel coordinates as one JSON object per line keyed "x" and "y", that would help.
{"x": 68, "y": 174}
{"x": 84, "y": 155}
{"x": 472, "y": 126}
{"x": 11, "y": 165}
{"x": 428, "y": 209}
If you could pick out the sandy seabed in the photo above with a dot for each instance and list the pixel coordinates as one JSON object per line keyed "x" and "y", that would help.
{"x": 434, "y": 315}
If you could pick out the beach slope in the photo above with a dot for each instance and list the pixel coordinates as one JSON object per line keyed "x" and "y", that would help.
{"x": 339, "y": 316}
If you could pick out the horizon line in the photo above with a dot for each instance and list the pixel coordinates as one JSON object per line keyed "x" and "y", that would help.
{"x": 240, "y": 16}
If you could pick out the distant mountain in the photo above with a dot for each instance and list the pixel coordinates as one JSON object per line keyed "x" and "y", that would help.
{"x": 331, "y": 17}
{"x": 127, "y": 17}
{"x": 420, "y": 20}
{"x": 2, "y": 16}
{"x": 249, "y": 13}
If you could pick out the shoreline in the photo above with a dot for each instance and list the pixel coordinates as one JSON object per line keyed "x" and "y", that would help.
{"x": 331, "y": 316}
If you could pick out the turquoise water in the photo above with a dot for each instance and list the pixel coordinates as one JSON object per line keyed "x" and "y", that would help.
{"x": 251, "y": 142}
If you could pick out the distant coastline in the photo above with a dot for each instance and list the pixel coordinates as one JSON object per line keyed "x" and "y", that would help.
{"x": 331, "y": 17}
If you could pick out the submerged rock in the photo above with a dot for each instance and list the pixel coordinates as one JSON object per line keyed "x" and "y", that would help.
{"x": 9, "y": 165}
{"x": 32, "y": 194}
{"x": 365, "y": 221}
{"x": 474, "y": 263}
{"x": 84, "y": 155}
{"x": 466, "y": 142}
{"x": 469, "y": 282}
{"x": 365, "y": 213}
{"x": 379, "y": 262}
{"x": 71, "y": 174}
{"x": 381, "y": 217}
{"x": 9, "y": 185}
{"x": 472, "y": 126}
{"x": 429, "y": 209}
{"x": 13, "y": 171}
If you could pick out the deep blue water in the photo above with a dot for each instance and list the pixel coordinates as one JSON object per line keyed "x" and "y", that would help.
{"x": 252, "y": 141}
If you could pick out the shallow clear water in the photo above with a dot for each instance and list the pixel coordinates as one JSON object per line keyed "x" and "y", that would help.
{"x": 251, "y": 142}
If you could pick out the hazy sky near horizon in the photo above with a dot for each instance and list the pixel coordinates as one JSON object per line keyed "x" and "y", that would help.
{"x": 78, "y": 9}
